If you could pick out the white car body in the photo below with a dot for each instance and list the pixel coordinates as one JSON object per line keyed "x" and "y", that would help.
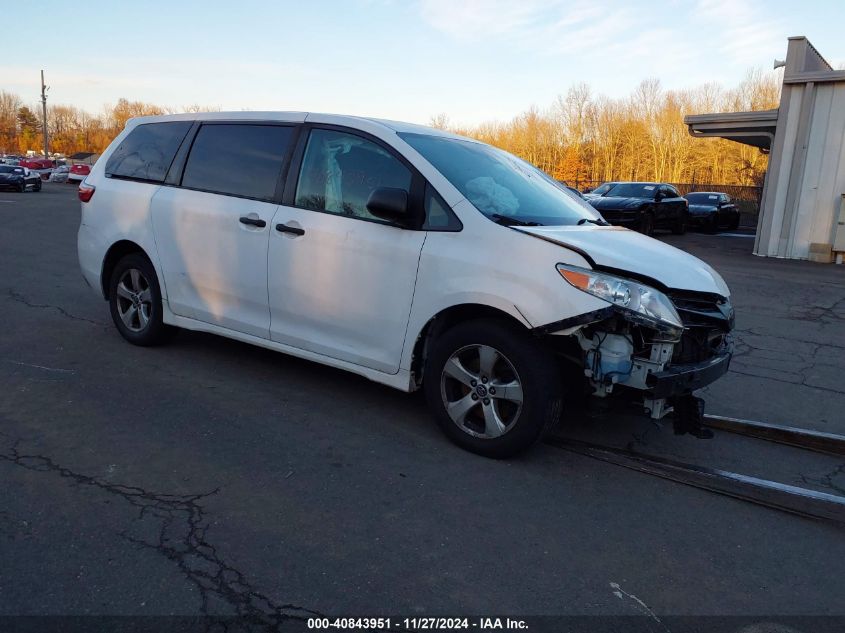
{"x": 352, "y": 294}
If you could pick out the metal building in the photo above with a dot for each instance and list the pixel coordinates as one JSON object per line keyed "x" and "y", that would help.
{"x": 803, "y": 203}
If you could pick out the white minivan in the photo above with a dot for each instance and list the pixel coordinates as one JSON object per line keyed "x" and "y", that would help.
{"x": 411, "y": 256}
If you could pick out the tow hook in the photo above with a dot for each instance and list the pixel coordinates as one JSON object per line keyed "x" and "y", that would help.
{"x": 689, "y": 417}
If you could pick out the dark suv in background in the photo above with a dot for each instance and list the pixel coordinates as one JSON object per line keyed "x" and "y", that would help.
{"x": 644, "y": 206}
{"x": 712, "y": 210}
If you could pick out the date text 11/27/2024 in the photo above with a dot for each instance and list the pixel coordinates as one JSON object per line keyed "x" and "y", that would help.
{"x": 416, "y": 624}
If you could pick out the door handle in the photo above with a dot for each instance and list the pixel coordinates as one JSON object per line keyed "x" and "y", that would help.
{"x": 252, "y": 221}
{"x": 284, "y": 228}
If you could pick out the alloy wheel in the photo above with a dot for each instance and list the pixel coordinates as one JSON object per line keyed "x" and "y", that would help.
{"x": 481, "y": 391}
{"x": 134, "y": 300}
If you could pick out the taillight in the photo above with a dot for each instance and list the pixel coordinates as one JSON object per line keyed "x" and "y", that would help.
{"x": 86, "y": 191}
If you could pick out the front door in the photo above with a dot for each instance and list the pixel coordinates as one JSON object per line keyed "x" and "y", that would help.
{"x": 341, "y": 281}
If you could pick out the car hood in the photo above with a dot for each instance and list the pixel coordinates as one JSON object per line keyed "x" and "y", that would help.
{"x": 625, "y": 250}
{"x": 605, "y": 202}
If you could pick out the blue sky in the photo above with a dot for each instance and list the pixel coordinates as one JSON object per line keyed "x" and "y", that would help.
{"x": 475, "y": 60}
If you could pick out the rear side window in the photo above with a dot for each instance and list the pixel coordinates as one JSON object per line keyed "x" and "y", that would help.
{"x": 238, "y": 159}
{"x": 148, "y": 150}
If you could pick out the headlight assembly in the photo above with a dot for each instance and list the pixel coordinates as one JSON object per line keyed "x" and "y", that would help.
{"x": 638, "y": 302}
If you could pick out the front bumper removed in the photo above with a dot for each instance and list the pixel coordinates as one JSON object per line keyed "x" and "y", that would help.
{"x": 678, "y": 380}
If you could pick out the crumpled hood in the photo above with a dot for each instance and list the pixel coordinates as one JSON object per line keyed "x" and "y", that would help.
{"x": 626, "y": 250}
{"x": 618, "y": 203}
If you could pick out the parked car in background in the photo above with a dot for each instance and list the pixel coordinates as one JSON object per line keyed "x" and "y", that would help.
{"x": 712, "y": 210}
{"x": 77, "y": 173}
{"x": 19, "y": 178}
{"x": 600, "y": 190}
{"x": 414, "y": 257}
{"x": 60, "y": 174}
{"x": 644, "y": 206}
{"x": 41, "y": 166}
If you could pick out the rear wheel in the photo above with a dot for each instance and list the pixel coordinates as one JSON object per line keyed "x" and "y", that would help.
{"x": 733, "y": 225}
{"x": 135, "y": 301}
{"x": 492, "y": 388}
{"x": 712, "y": 223}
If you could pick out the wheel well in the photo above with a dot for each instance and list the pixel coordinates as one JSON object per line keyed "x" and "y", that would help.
{"x": 447, "y": 319}
{"x": 118, "y": 251}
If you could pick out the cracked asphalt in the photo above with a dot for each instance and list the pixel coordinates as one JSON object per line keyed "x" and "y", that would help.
{"x": 211, "y": 477}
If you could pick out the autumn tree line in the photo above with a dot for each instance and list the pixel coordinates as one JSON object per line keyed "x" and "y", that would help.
{"x": 70, "y": 129}
{"x": 585, "y": 138}
{"x": 581, "y": 138}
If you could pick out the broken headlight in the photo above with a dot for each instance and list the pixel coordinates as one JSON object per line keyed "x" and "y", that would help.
{"x": 639, "y": 303}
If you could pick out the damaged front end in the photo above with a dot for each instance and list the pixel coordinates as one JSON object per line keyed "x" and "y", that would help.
{"x": 659, "y": 346}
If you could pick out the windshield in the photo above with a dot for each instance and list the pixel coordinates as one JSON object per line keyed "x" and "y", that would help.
{"x": 503, "y": 187}
{"x": 601, "y": 189}
{"x": 632, "y": 190}
{"x": 8, "y": 169}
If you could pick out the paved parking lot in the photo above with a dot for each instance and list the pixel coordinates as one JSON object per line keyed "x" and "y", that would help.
{"x": 209, "y": 476}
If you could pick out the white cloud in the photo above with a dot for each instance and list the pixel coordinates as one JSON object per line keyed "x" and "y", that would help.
{"x": 525, "y": 20}
{"x": 743, "y": 30}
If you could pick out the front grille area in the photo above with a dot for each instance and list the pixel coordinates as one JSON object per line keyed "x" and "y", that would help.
{"x": 708, "y": 320}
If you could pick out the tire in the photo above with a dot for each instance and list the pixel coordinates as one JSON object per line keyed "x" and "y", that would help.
{"x": 680, "y": 226}
{"x": 712, "y": 225}
{"x": 733, "y": 225}
{"x": 488, "y": 423}
{"x": 22, "y": 187}
{"x": 37, "y": 186}
{"x": 646, "y": 226}
{"x": 140, "y": 290}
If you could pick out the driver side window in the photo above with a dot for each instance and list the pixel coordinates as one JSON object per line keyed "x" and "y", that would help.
{"x": 340, "y": 170}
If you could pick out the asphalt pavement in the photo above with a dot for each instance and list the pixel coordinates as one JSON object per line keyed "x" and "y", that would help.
{"x": 211, "y": 477}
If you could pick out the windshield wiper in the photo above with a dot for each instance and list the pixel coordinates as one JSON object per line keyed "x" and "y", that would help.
{"x": 506, "y": 220}
{"x": 596, "y": 221}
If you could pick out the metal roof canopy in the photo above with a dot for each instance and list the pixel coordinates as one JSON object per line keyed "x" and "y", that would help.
{"x": 751, "y": 128}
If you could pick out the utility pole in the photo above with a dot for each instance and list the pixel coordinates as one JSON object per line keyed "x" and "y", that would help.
{"x": 44, "y": 113}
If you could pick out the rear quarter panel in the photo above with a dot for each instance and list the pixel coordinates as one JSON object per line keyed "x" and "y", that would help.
{"x": 119, "y": 210}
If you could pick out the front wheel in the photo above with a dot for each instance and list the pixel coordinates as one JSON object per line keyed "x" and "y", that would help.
{"x": 492, "y": 388}
{"x": 680, "y": 226}
{"x": 37, "y": 186}
{"x": 647, "y": 224}
{"x": 135, "y": 301}
{"x": 22, "y": 187}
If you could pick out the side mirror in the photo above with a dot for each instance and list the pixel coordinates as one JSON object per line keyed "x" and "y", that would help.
{"x": 387, "y": 203}
{"x": 659, "y": 196}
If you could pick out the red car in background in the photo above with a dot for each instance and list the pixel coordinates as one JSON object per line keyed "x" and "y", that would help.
{"x": 41, "y": 166}
{"x": 77, "y": 173}
{"x": 38, "y": 163}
